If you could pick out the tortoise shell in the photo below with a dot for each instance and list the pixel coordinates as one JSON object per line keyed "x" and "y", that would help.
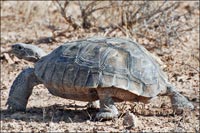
{"x": 76, "y": 69}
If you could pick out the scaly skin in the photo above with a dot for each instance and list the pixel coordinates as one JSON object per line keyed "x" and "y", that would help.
{"x": 27, "y": 52}
{"x": 178, "y": 101}
{"x": 107, "y": 109}
{"x": 21, "y": 90}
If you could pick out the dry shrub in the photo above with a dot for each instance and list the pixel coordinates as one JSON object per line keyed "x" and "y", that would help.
{"x": 158, "y": 21}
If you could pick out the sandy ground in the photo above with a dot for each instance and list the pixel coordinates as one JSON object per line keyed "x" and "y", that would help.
{"x": 48, "y": 113}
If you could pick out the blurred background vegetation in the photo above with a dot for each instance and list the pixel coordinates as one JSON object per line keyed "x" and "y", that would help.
{"x": 159, "y": 22}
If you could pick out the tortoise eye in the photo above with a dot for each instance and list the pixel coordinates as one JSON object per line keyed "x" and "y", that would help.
{"x": 19, "y": 47}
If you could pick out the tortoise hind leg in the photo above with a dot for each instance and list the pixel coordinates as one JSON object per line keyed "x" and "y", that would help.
{"x": 107, "y": 108}
{"x": 179, "y": 102}
{"x": 21, "y": 90}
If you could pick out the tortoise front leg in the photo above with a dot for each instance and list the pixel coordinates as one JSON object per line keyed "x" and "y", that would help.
{"x": 108, "y": 109}
{"x": 21, "y": 90}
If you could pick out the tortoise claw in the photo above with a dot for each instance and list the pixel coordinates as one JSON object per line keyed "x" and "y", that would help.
{"x": 14, "y": 106}
{"x": 105, "y": 116}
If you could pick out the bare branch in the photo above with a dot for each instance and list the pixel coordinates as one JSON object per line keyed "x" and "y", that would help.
{"x": 63, "y": 13}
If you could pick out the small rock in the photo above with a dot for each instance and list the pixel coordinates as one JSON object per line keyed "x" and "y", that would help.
{"x": 87, "y": 121}
{"x": 130, "y": 120}
{"x": 93, "y": 105}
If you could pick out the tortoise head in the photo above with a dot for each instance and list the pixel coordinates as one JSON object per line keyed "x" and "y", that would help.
{"x": 27, "y": 52}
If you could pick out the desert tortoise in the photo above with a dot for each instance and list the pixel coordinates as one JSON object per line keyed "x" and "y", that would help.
{"x": 108, "y": 69}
